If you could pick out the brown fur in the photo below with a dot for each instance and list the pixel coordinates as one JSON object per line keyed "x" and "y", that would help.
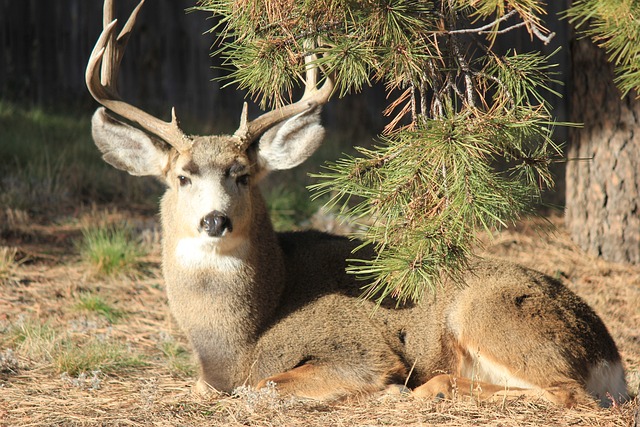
{"x": 262, "y": 307}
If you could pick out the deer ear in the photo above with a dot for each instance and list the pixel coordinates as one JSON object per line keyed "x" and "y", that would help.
{"x": 291, "y": 142}
{"x": 126, "y": 147}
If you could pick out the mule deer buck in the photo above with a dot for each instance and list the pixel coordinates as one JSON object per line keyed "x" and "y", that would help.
{"x": 260, "y": 306}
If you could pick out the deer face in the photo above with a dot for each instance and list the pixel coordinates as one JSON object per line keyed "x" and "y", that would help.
{"x": 211, "y": 186}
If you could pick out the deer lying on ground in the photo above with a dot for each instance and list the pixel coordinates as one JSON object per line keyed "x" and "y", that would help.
{"x": 260, "y": 306}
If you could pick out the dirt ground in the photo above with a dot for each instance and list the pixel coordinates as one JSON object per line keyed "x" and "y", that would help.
{"x": 44, "y": 289}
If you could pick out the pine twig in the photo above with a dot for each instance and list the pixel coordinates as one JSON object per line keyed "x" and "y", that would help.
{"x": 479, "y": 30}
{"x": 544, "y": 39}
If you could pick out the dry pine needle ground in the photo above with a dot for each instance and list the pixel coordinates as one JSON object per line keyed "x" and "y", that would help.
{"x": 147, "y": 380}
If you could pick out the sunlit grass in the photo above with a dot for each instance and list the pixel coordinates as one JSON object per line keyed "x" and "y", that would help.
{"x": 8, "y": 263}
{"x": 59, "y": 350}
{"x": 110, "y": 250}
{"x": 95, "y": 355}
{"x": 32, "y": 339}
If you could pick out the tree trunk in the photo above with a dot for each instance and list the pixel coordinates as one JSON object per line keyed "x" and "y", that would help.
{"x": 603, "y": 173}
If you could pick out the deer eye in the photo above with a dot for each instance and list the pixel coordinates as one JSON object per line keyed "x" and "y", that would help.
{"x": 243, "y": 179}
{"x": 183, "y": 180}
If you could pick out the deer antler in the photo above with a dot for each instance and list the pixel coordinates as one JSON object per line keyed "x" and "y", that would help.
{"x": 102, "y": 74}
{"x": 249, "y": 131}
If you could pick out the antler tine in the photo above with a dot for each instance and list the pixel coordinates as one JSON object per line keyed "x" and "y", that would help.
{"x": 101, "y": 78}
{"x": 116, "y": 46}
{"x": 249, "y": 131}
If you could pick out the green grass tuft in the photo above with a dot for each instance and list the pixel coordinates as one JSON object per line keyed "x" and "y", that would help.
{"x": 97, "y": 304}
{"x": 178, "y": 359}
{"x": 32, "y": 339}
{"x": 110, "y": 250}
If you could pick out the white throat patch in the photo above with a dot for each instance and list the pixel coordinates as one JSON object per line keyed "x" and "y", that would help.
{"x": 206, "y": 253}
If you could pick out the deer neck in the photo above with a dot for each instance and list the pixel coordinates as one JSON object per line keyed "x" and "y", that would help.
{"x": 222, "y": 301}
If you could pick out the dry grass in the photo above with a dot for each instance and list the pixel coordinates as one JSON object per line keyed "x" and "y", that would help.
{"x": 45, "y": 292}
{"x": 8, "y": 263}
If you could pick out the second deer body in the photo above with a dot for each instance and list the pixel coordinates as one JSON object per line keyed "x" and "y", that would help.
{"x": 260, "y": 306}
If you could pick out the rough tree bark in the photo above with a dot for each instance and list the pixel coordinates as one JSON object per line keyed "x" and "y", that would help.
{"x": 602, "y": 204}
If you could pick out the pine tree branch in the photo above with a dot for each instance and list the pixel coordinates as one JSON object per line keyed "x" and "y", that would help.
{"x": 426, "y": 189}
{"x": 502, "y": 86}
{"x": 466, "y": 71}
{"x": 505, "y": 30}
{"x": 487, "y": 29}
{"x": 455, "y": 89}
{"x": 479, "y": 30}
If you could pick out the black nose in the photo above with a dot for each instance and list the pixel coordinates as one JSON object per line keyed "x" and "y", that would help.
{"x": 215, "y": 223}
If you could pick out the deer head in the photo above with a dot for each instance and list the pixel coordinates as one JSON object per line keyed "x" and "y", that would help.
{"x": 211, "y": 179}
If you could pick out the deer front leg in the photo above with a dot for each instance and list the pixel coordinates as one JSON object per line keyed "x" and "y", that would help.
{"x": 331, "y": 382}
{"x": 447, "y": 387}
